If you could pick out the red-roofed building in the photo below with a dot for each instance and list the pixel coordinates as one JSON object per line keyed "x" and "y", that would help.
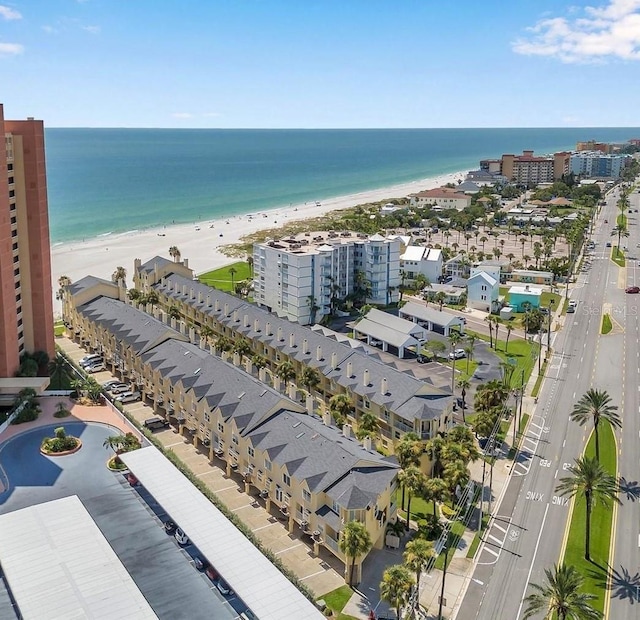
{"x": 446, "y": 197}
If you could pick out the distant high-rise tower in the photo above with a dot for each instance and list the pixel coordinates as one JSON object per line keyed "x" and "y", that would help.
{"x": 26, "y": 307}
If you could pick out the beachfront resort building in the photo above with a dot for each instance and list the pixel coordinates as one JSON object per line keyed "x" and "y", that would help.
{"x": 597, "y": 165}
{"x": 318, "y": 476}
{"x": 529, "y": 170}
{"x": 302, "y": 278}
{"x": 26, "y": 305}
{"x": 444, "y": 197}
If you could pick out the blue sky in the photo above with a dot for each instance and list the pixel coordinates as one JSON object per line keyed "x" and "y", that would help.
{"x": 321, "y": 63}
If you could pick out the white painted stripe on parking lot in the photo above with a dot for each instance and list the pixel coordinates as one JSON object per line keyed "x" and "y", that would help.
{"x": 320, "y": 572}
{"x": 177, "y": 443}
{"x": 491, "y": 551}
{"x": 262, "y": 527}
{"x": 499, "y": 527}
{"x": 233, "y": 486}
{"x": 495, "y": 540}
{"x": 241, "y": 507}
{"x": 289, "y": 548}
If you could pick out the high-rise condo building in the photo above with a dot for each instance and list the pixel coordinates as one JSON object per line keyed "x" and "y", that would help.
{"x": 26, "y": 306}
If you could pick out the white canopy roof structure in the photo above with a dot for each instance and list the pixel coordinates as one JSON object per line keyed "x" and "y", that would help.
{"x": 59, "y": 566}
{"x": 267, "y": 592}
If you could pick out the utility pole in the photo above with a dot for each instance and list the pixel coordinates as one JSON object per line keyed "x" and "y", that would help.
{"x": 484, "y": 465}
{"x": 444, "y": 576}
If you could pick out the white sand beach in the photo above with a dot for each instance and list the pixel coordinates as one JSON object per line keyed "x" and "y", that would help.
{"x": 200, "y": 241}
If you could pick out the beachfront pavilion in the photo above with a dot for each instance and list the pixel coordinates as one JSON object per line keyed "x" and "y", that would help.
{"x": 438, "y": 321}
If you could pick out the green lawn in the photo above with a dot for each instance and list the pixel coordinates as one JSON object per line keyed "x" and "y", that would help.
{"x": 221, "y": 278}
{"x": 522, "y": 351}
{"x": 477, "y": 538}
{"x": 58, "y": 329}
{"x": 538, "y": 384}
{"x": 594, "y": 572}
{"x": 337, "y": 599}
{"x": 606, "y": 324}
{"x": 455, "y": 533}
{"x": 617, "y": 256}
{"x": 621, "y": 219}
{"x": 419, "y": 507}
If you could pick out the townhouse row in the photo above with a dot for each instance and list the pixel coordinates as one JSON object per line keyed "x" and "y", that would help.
{"x": 318, "y": 477}
{"x": 401, "y": 402}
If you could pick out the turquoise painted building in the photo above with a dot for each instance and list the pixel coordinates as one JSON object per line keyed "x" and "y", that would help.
{"x": 519, "y": 296}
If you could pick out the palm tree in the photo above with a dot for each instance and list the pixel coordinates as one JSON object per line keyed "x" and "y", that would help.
{"x": 354, "y": 541}
{"x": 483, "y": 240}
{"x": 119, "y": 274}
{"x": 490, "y": 395}
{"x": 455, "y": 474}
{"x": 395, "y": 586}
{"x": 57, "y": 368}
{"x": 417, "y": 554}
{"x": 595, "y": 405}
{"x": 368, "y": 425}
{"x": 440, "y": 298}
{"x": 174, "y": 252}
{"x": 433, "y": 449}
{"x": 232, "y": 273}
{"x": 490, "y": 320}
{"x": 620, "y": 231}
{"x": 561, "y": 596}
{"x": 259, "y": 361}
{"x": 313, "y": 308}
{"x": 412, "y": 479}
{"x": 309, "y": 378}
{"x": 593, "y": 482}
{"x": 464, "y": 385}
{"x": 285, "y": 371}
{"x": 173, "y": 312}
{"x": 207, "y": 332}
{"x": 340, "y": 408}
{"x": 509, "y": 330}
{"x": 435, "y": 490}
{"x": 241, "y": 347}
{"x": 408, "y": 451}
{"x": 223, "y": 344}
{"x": 454, "y": 340}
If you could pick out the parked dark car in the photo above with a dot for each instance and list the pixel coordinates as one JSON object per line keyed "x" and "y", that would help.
{"x": 169, "y": 527}
{"x": 155, "y": 423}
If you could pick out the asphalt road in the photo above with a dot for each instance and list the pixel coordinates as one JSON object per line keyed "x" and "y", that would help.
{"x": 527, "y": 535}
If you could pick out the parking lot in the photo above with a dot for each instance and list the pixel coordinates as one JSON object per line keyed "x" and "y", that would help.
{"x": 164, "y": 573}
{"x": 321, "y": 574}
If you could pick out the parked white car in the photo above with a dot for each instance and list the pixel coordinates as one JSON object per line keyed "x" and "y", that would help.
{"x": 458, "y": 354}
{"x": 128, "y": 397}
{"x": 95, "y": 367}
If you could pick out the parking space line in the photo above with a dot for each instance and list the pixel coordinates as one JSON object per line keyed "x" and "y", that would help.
{"x": 289, "y": 549}
{"x": 320, "y": 572}
{"x": 233, "y": 486}
{"x": 241, "y": 507}
{"x": 263, "y": 527}
{"x": 496, "y": 540}
{"x": 177, "y": 443}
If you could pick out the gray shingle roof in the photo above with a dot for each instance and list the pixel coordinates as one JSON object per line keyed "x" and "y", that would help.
{"x": 86, "y": 283}
{"x": 156, "y": 261}
{"x": 137, "y": 329}
{"x": 244, "y": 317}
{"x": 321, "y": 456}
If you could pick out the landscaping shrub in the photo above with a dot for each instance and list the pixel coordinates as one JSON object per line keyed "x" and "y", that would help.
{"x": 60, "y": 443}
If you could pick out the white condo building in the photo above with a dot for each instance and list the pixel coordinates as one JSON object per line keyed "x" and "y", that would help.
{"x": 297, "y": 278}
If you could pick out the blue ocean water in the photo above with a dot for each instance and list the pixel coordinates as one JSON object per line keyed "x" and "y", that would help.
{"x": 104, "y": 181}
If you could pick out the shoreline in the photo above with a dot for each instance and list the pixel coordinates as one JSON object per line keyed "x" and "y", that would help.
{"x": 200, "y": 242}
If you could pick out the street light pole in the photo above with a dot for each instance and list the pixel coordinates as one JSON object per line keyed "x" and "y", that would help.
{"x": 444, "y": 576}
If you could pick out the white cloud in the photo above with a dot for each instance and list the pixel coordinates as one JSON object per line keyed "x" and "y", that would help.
{"x": 11, "y": 49}
{"x": 6, "y": 12}
{"x": 592, "y": 35}
{"x": 182, "y": 115}
{"x": 91, "y": 29}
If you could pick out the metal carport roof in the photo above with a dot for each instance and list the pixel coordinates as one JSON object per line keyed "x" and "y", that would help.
{"x": 267, "y": 592}
{"x": 60, "y": 566}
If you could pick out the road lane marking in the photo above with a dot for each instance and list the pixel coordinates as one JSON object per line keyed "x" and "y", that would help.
{"x": 535, "y": 553}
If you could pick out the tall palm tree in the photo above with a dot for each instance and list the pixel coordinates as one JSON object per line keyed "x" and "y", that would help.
{"x": 408, "y": 451}
{"x": 594, "y": 483}
{"x": 620, "y": 231}
{"x": 433, "y": 449}
{"x": 435, "y": 490}
{"x": 57, "y": 368}
{"x": 174, "y": 252}
{"x": 232, "y": 273}
{"x": 491, "y": 394}
{"x": 595, "y": 405}
{"x": 454, "y": 340}
{"x": 354, "y": 541}
{"x": 464, "y": 385}
{"x": 509, "y": 330}
{"x": 561, "y": 595}
{"x": 455, "y": 474}
{"x": 417, "y": 554}
{"x": 207, "y": 332}
{"x": 241, "y": 347}
{"x": 259, "y": 361}
{"x": 490, "y": 320}
{"x": 412, "y": 479}
{"x": 395, "y": 586}
{"x": 223, "y": 344}
{"x": 173, "y": 312}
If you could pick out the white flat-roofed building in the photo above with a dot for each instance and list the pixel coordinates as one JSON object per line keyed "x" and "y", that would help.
{"x": 303, "y": 277}
{"x": 596, "y": 164}
{"x": 58, "y": 564}
{"x": 418, "y": 259}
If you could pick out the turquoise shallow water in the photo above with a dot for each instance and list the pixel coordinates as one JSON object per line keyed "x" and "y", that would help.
{"x": 103, "y": 181}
